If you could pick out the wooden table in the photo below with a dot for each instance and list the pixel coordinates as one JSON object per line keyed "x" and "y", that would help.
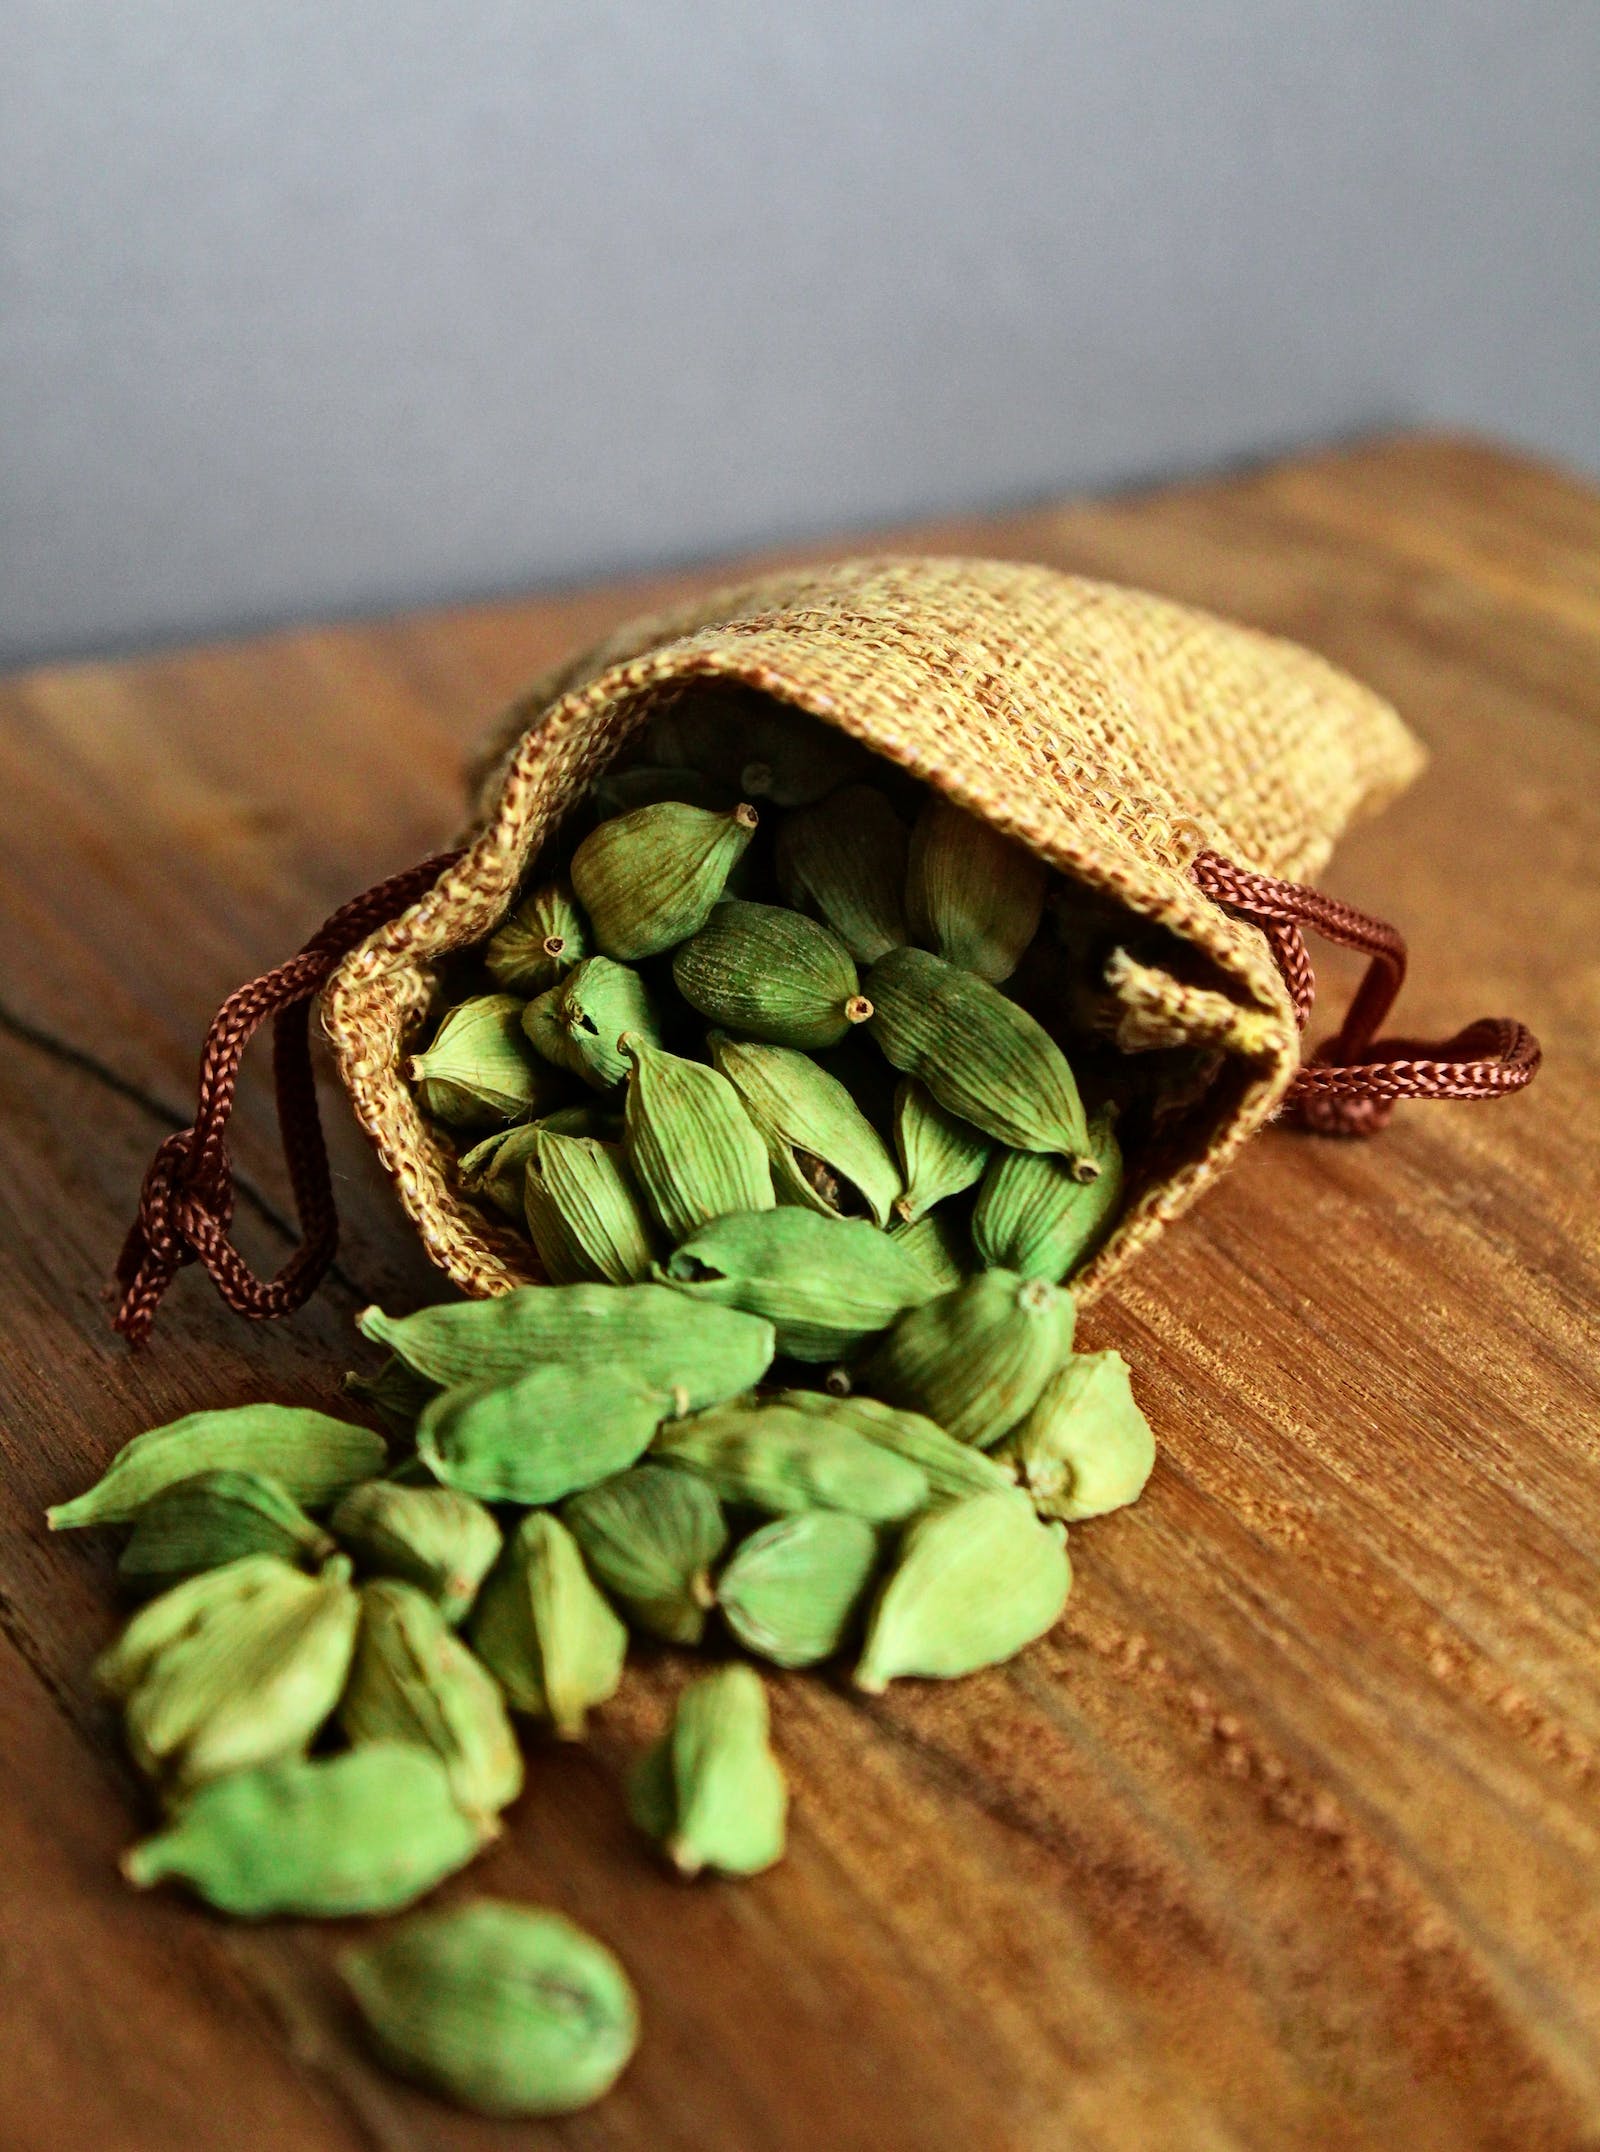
{"x": 1288, "y": 1836}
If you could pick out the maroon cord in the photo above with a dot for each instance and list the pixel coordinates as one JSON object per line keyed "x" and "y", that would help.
{"x": 186, "y": 1202}
{"x": 1351, "y": 1084}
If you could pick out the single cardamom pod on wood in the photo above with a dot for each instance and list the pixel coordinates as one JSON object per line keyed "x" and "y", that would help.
{"x": 974, "y": 1582}
{"x": 544, "y": 1630}
{"x": 711, "y": 1791}
{"x": 505, "y": 2009}
{"x": 366, "y": 1832}
{"x": 975, "y": 1359}
{"x": 412, "y": 1680}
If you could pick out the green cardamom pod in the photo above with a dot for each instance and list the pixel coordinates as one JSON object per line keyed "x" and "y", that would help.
{"x": 951, "y": 1468}
{"x": 543, "y": 1435}
{"x": 545, "y": 1632}
{"x": 772, "y": 1458}
{"x": 793, "y": 1589}
{"x": 771, "y": 973}
{"x": 249, "y": 1681}
{"x": 312, "y": 1457}
{"x": 984, "y": 1059}
{"x": 645, "y": 783}
{"x": 214, "y": 1518}
{"x": 1035, "y": 1217}
{"x": 650, "y": 1538}
{"x": 825, "y": 1284}
{"x": 973, "y": 896}
{"x": 976, "y": 1358}
{"x": 844, "y": 862}
{"x": 973, "y": 1583}
{"x": 748, "y": 740}
{"x": 649, "y": 879}
{"x": 940, "y": 1156}
{"x": 436, "y": 1539}
{"x": 577, "y": 1024}
{"x": 1085, "y": 1448}
{"x": 182, "y": 1612}
{"x": 824, "y": 1152}
{"x": 496, "y": 1168}
{"x": 665, "y": 1340}
{"x": 505, "y": 2009}
{"x": 692, "y": 1147}
{"x": 365, "y": 1832}
{"x": 478, "y": 1072}
{"x": 538, "y": 942}
{"x": 711, "y": 1791}
{"x": 941, "y": 1243}
{"x": 412, "y": 1680}
{"x": 394, "y": 1394}
{"x": 585, "y": 1217}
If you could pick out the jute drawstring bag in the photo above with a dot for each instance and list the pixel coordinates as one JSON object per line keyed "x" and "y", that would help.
{"x": 1189, "y": 772}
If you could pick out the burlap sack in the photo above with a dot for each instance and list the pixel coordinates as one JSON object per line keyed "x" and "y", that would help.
{"x": 1117, "y": 735}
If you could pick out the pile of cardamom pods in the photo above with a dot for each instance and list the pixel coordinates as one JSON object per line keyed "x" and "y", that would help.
{"x": 808, "y": 1184}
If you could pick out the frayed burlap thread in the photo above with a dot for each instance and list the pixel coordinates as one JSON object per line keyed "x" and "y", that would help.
{"x": 1115, "y": 734}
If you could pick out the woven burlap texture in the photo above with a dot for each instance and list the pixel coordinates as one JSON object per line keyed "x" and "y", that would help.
{"x": 1114, "y": 733}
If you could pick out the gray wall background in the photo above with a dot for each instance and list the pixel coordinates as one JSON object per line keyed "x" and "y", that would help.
{"x": 312, "y": 306}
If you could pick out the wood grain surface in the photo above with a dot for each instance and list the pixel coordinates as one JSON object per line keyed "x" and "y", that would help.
{"x": 1288, "y": 1837}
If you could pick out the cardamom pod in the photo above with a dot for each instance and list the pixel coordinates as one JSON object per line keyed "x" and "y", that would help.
{"x": 412, "y": 1680}
{"x": 976, "y": 1358}
{"x": 650, "y": 1537}
{"x": 585, "y": 1216}
{"x": 824, "y": 1152}
{"x": 1035, "y": 1217}
{"x": 250, "y": 1680}
{"x": 793, "y": 1589}
{"x": 973, "y": 1583}
{"x": 1085, "y": 1448}
{"x": 772, "y": 1458}
{"x": 951, "y": 1468}
{"x": 844, "y": 862}
{"x": 973, "y": 896}
{"x": 538, "y": 942}
{"x": 544, "y": 1630}
{"x": 214, "y": 1518}
{"x": 825, "y": 1284}
{"x": 667, "y": 1341}
{"x": 644, "y": 783}
{"x": 747, "y": 739}
{"x": 436, "y": 1539}
{"x": 941, "y": 1243}
{"x": 504, "y": 2009}
{"x": 940, "y": 1156}
{"x": 577, "y": 1024}
{"x": 496, "y": 1169}
{"x": 692, "y": 1147}
{"x": 365, "y": 1832}
{"x": 984, "y": 1059}
{"x": 711, "y": 1791}
{"x": 478, "y": 1072}
{"x": 394, "y": 1394}
{"x": 771, "y": 973}
{"x": 542, "y": 1435}
{"x": 648, "y": 879}
{"x": 312, "y": 1457}
{"x": 182, "y": 1612}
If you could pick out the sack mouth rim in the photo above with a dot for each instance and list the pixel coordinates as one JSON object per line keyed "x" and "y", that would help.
{"x": 389, "y": 975}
